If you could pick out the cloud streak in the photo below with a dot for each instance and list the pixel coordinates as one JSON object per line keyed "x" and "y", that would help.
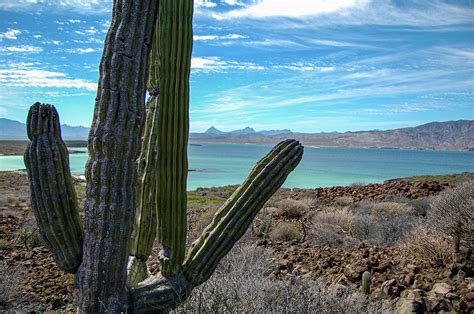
{"x": 42, "y": 78}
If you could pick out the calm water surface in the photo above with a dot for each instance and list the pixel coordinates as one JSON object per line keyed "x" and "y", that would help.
{"x": 222, "y": 164}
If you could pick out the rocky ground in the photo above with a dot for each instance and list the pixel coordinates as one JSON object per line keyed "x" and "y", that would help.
{"x": 401, "y": 278}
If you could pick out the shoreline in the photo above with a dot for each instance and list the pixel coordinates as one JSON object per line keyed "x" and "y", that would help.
{"x": 17, "y": 147}
{"x": 449, "y": 179}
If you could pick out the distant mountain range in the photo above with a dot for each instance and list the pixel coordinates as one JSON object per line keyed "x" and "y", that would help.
{"x": 214, "y": 133}
{"x": 451, "y": 135}
{"x": 15, "y": 130}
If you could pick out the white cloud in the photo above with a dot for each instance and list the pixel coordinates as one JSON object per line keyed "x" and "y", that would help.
{"x": 204, "y": 3}
{"x": 303, "y": 67}
{"x": 334, "y": 43}
{"x": 84, "y": 6}
{"x": 274, "y": 42}
{"x": 321, "y": 13}
{"x": 10, "y": 34}
{"x": 291, "y": 8}
{"x": 215, "y": 64}
{"x": 233, "y": 2}
{"x": 90, "y": 31}
{"x": 21, "y": 49}
{"x": 218, "y": 37}
{"x": 457, "y": 52}
{"x": 41, "y": 78}
{"x": 82, "y": 50}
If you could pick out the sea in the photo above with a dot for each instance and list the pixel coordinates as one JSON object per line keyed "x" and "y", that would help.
{"x": 216, "y": 164}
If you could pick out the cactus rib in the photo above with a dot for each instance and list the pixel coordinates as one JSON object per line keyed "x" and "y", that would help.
{"x": 53, "y": 198}
{"x": 113, "y": 148}
{"x": 175, "y": 46}
{"x": 144, "y": 228}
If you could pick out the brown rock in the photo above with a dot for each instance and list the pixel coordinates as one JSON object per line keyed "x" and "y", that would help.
{"x": 389, "y": 288}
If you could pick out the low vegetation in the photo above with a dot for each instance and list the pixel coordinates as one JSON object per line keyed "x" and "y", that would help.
{"x": 302, "y": 254}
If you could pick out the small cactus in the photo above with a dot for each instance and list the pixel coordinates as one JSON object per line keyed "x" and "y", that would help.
{"x": 366, "y": 281}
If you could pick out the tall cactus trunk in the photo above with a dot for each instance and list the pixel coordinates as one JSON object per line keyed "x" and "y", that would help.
{"x": 175, "y": 41}
{"x": 113, "y": 148}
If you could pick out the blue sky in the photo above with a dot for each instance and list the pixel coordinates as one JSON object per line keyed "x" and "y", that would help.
{"x": 307, "y": 65}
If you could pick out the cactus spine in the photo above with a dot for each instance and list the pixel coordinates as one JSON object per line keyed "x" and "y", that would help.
{"x": 52, "y": 194}
{"x": 108, "y": 279}
{"x": 366, "y": 281}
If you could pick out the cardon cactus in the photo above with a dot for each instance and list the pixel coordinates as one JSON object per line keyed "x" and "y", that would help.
{"x": 365, "y": 283}
{"x": 137, "y": 171}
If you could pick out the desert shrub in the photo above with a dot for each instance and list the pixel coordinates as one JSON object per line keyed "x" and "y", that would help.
{"x": 344, "y": 200}
{"x": 310, "y": 201}
{"x": 285, "y": 231}
{"x": 421, "y": 206}
{"x": 391, "y": 208}
{"x": 385, "y": 223}
{"x": 453, "y": 212}
{"x": 292, "y": 208}
{"x": 240, "y": 285}
{"x": 334, "y": 228}
{"x": 357, "y": 184}
{"x": 396, "y": 198}
{"x": 28, "y": 234}
{"x": 430, "y": 244}
{"x": 385, "y": 229}
{"x": 262, "y": 224}
{"x": 391, "y": 230}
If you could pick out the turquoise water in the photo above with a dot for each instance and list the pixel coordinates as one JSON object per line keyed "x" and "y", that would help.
{"x": 222, "y": 164}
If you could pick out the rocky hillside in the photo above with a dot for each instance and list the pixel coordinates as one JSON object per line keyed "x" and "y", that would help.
{"x": 15, "y": 130}
{"x": 451, "y": 135}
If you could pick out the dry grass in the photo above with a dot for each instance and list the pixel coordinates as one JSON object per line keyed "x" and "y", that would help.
{"x": 391, "y": 208}
{"x": 334, "y": 228}
{"x": 240, "y": 285}
{"x": 263, "y": 223}
{"x": 293, "y": 209}
{"x": 343, "y": 200}
{"x": 431, "y": 245}
{"x": 453, "y": 214}
{"x": 285, "y": 231}
{"x": 383, "y": 223}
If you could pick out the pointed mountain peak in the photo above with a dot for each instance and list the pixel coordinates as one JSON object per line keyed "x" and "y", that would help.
{"x": 213, "y": 130}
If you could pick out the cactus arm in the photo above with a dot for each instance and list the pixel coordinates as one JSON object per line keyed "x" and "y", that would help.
{"x": 53, "y": 198}
{"x": 234, "y": 217}
{"x": 229, "y": 224}
{"x": 113, "y": 148}
{"x": 144, "y": 228}
{"x": 175, "y": 46}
